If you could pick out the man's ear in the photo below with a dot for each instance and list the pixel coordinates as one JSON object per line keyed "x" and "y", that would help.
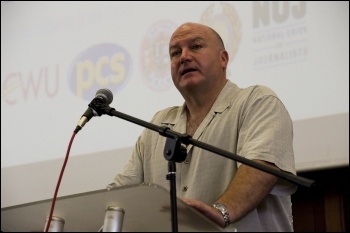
{"x": 224, "y": 58}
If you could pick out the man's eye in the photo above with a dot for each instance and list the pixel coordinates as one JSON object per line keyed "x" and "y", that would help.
{"x": 172, "y": 54}
{"x": 197, "y": 46}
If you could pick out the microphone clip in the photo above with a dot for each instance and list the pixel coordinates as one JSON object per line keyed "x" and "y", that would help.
{"x": 98, "y": 106}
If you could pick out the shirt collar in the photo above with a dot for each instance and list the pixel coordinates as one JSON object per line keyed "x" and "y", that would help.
{"x": 223, "y": 101}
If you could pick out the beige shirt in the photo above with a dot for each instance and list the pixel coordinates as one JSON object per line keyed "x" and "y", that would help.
{"x": 250, "y": 122}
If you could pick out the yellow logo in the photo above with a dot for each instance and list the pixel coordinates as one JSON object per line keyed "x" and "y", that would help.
{"x": 225, "y": 20}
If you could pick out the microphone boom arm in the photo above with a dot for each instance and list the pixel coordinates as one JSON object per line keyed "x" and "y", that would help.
{"x": 186, "y": 139}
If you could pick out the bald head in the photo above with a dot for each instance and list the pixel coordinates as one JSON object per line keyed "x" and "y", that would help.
{"x": 190, "y": 26}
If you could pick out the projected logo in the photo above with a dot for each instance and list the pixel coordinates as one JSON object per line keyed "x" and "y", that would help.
{"x": 18, "y": 87}
{"x": 280, "y": 33}
{"x": 223, "y": 18}
{"x": 154, "y": 56}
{"x": 101, "y": 66}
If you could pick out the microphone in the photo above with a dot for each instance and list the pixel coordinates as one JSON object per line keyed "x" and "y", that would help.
{"x": 103, "y": 97}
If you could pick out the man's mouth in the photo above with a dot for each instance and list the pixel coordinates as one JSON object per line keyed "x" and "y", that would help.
{"x": 185, "y": 71}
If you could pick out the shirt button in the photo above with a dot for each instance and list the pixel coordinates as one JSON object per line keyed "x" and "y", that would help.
{"x": 184, "y": 189}
{"x": 186, "y": 161}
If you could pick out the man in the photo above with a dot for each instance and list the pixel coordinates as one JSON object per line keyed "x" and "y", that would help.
{"x": 250, "y": 122}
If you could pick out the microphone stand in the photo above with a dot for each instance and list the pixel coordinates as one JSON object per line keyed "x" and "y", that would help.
{"x": 175, "y": 152}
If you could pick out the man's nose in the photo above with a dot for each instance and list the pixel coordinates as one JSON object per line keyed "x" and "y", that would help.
{"x": 185, "y": 56}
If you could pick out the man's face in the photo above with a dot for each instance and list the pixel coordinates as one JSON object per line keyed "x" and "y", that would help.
{"x": 196, "y": 57}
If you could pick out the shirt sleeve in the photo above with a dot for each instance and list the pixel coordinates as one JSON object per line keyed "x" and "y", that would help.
{"x": 132, "y": 173}
{"x": 267, "y": 134}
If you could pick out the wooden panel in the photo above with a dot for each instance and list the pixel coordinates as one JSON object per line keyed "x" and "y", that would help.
{"x": 324, "y": 207}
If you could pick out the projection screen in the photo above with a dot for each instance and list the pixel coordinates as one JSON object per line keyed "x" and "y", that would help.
{"x": 56, "y": 55}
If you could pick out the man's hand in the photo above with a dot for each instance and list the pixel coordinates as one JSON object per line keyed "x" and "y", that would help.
{"x": 208, "y": 211}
